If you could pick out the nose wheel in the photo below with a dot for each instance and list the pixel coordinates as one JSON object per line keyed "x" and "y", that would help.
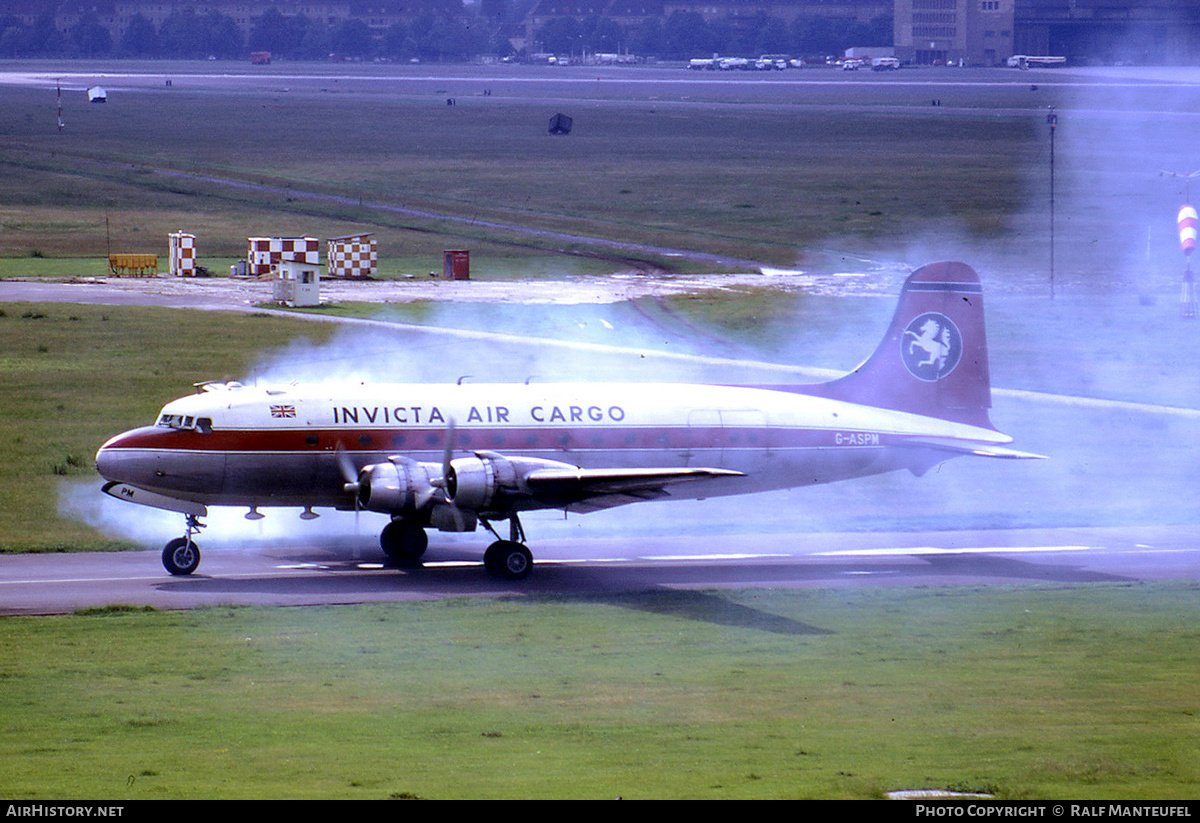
{"x": 181, "y": 556}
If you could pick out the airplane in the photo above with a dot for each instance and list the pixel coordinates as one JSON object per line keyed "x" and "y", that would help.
{"x": 454, "y": 456}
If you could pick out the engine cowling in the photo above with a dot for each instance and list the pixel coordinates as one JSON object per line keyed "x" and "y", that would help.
{"x": 490, "y": 481}
{"x": 483, "y": 483}
{"x": 473, "y": 482}
{"x": 392, "y": 488}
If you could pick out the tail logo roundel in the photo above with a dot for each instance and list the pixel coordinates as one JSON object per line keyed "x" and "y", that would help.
{"x": 931, "y": 346}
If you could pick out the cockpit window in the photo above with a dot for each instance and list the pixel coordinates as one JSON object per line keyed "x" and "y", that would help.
{"x": 186, "y": 422}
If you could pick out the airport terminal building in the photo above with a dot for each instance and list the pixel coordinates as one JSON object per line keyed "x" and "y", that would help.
{"x": 988, "y": 32}
{"x": 971, "y": 32}
{"x": 968, "y": 32}
{"x": 953, "y": 31}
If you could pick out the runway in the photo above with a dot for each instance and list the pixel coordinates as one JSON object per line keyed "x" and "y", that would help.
{"x": 315, "y": 573}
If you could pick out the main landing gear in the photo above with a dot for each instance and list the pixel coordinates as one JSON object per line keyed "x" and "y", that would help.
{"x": 508, "y": 559}
{"x": 404, "y": 543}
{"x": 182, "y": 555}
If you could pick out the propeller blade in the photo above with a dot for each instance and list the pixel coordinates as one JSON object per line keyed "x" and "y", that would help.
{"x": 350, "y": 484}
{"x": 447, "y": 471}
{"x": 348, "y": 470}
{"x": 448, "y": 449}
{"x": 447, "y": 456}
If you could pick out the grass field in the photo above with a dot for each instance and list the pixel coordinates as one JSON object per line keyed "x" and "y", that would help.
{"x": 758, "y": 183}
{"x": 769, "y": 172}
{"x": 1080, "y": 693}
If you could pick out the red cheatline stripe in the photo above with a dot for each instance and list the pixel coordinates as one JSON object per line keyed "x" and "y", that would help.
{"x": 499, "y": 439}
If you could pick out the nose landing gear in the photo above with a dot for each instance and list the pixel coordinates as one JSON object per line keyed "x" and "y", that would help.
{"x": 181, "y": 556}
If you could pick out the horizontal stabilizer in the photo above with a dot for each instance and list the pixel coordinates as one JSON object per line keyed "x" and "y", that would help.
{"x": 965, "y": 448}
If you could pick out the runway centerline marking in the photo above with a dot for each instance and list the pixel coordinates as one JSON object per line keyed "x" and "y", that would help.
{"x": 919, "y": 550}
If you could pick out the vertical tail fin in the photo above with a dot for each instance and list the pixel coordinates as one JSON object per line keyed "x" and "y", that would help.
{"x": 933, "y": 360}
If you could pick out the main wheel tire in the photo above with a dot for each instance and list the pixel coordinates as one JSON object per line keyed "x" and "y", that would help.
{"x": 403, "y": 543}
{"x": 181, "y": 556}
{"x": 508, "y": 560}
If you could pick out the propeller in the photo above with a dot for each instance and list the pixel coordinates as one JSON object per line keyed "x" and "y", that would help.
{"x": 409, "y": 477}
{"x": 350, "y": 480}
{"x": 443, "y": 482}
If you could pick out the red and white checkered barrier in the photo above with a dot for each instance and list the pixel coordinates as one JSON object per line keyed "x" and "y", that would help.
{"x": 353, "y": 256}
{"x": 264, "y": 252}
{"x": 181, "y": 254}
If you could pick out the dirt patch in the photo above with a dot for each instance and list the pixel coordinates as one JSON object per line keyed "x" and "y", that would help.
{"x": 600, "y": 289}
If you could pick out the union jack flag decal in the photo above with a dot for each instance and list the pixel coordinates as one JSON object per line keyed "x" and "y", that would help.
{"x": 283, "y": 411}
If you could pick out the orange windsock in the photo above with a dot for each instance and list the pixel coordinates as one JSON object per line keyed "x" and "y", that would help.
{"x": 1188, "y": 225}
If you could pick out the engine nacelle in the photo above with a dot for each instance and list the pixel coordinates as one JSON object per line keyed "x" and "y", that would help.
{"x": 472, "y": 482}
{"x": 490, "y": 481}
{"x": 487, "y": 482}
{"x": 392, "y": 487}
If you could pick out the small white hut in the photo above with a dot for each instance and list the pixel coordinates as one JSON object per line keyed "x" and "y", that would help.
{"x": 297, "y": 283}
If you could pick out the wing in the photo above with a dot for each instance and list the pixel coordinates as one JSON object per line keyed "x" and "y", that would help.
{"x": 589, "y": 490}
{"x": 497, "y": 484}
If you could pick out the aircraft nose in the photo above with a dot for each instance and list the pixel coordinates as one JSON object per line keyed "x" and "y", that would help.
{"x": 153, "y": 458}
{"x": 106, "y": 458}
{"x": 128, "y": 456}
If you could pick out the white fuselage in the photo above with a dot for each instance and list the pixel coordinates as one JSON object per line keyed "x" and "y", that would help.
{"x": 261, "y": 447}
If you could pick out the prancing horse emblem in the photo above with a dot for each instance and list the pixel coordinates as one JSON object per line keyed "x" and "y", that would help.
{"x": 931, "y": 346}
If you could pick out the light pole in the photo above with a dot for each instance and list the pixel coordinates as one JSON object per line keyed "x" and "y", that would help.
{"x": 1052, "y": 121}
{"x": 1189, "y": 224}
